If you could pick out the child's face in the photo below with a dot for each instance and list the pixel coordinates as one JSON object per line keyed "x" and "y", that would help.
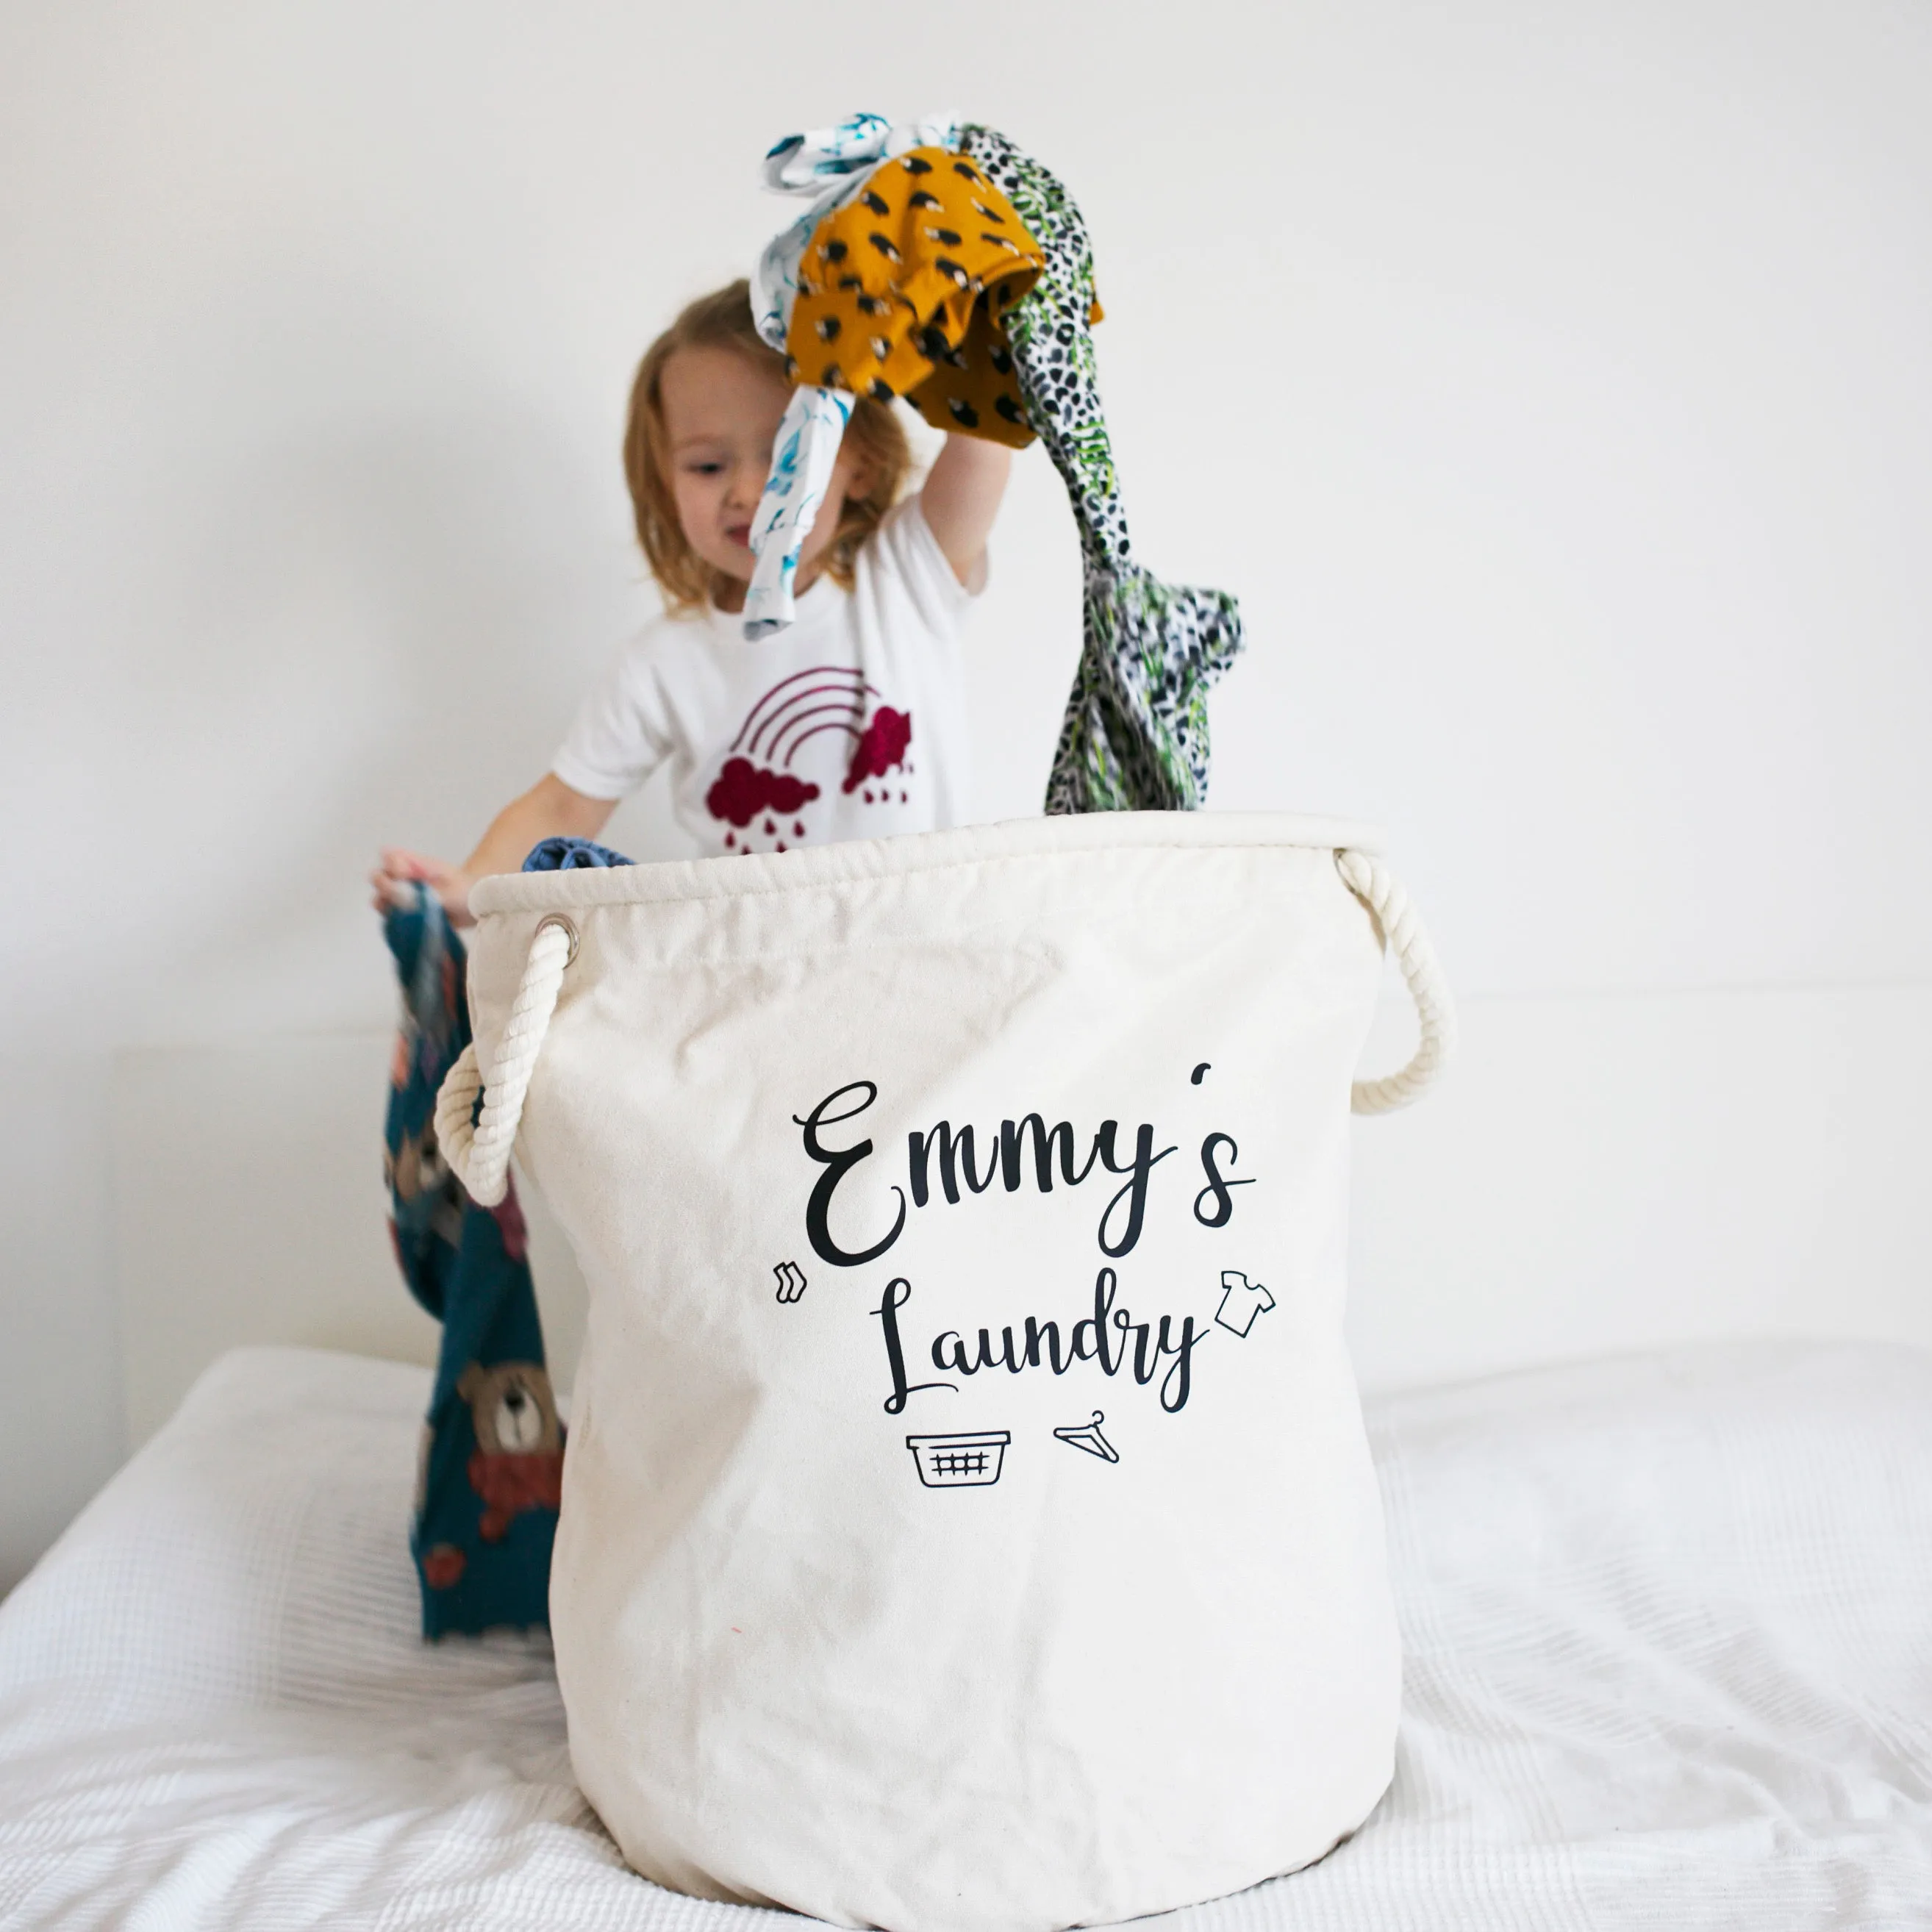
{"x": 721, "y": 411}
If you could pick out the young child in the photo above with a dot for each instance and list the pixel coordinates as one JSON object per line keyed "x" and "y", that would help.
{"x": 848, "y": 723}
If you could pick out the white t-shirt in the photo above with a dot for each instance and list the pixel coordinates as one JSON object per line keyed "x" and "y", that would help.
{"x": 849, "y": 725}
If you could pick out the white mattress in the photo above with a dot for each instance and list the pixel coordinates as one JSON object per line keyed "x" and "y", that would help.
{"x": 1670, "y": 1631}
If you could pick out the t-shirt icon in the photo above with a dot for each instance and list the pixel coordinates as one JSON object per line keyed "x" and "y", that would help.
{"x": 1241, "y": 1300}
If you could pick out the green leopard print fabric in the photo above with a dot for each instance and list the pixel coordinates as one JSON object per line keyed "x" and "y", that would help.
{"x": 1135, "y": 734}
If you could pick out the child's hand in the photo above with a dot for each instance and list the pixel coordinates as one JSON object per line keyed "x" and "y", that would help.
{"x": 548, "y": 809}
{"x": 398, "y": 870}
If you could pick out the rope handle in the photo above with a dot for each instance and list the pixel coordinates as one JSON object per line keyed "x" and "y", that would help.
{"x": 477, "y": 1147}
{"x": 478, "y": 1154}
{"x": 1377, "y": 889}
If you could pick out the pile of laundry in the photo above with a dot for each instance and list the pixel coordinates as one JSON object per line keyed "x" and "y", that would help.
{"x": 938, "y": 262}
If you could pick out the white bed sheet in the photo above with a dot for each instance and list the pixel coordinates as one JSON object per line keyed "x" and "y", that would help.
{"x": 1669, "y": 1632}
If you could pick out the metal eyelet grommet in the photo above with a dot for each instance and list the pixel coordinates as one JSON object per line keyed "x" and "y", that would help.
{"x": 564, "y": 926}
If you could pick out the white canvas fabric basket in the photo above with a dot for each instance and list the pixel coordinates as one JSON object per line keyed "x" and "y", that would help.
{"x": 967, "y": 1522}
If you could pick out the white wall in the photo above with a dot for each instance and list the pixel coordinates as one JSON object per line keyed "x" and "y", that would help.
{"x": 1549, "y": 381}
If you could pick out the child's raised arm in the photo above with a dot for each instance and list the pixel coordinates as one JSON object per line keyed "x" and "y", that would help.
{"x": 550, "y": 809}
{"x": 961, "y": 499}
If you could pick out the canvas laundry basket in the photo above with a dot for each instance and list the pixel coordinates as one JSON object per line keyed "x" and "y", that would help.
{"x": 967, "y": 1521}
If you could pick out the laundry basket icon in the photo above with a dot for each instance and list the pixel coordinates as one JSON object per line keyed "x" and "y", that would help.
{"x": 959, "y": 1462}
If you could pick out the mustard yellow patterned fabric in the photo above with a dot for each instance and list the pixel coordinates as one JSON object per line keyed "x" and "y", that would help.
{"x": 901, "y": 291}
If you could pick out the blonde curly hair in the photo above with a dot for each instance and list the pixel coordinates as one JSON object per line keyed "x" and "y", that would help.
{"x": 723, "y": 320}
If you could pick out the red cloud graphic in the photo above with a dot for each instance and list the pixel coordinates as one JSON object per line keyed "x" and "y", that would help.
{"x": 743, "y": 790}
{"x": 881, "y": 746}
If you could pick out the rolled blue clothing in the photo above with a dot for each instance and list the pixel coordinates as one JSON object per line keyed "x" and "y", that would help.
{"x": 490, "y": 1474}
{"x": 569, "y": 855}
{"x": 804, "y": 454}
